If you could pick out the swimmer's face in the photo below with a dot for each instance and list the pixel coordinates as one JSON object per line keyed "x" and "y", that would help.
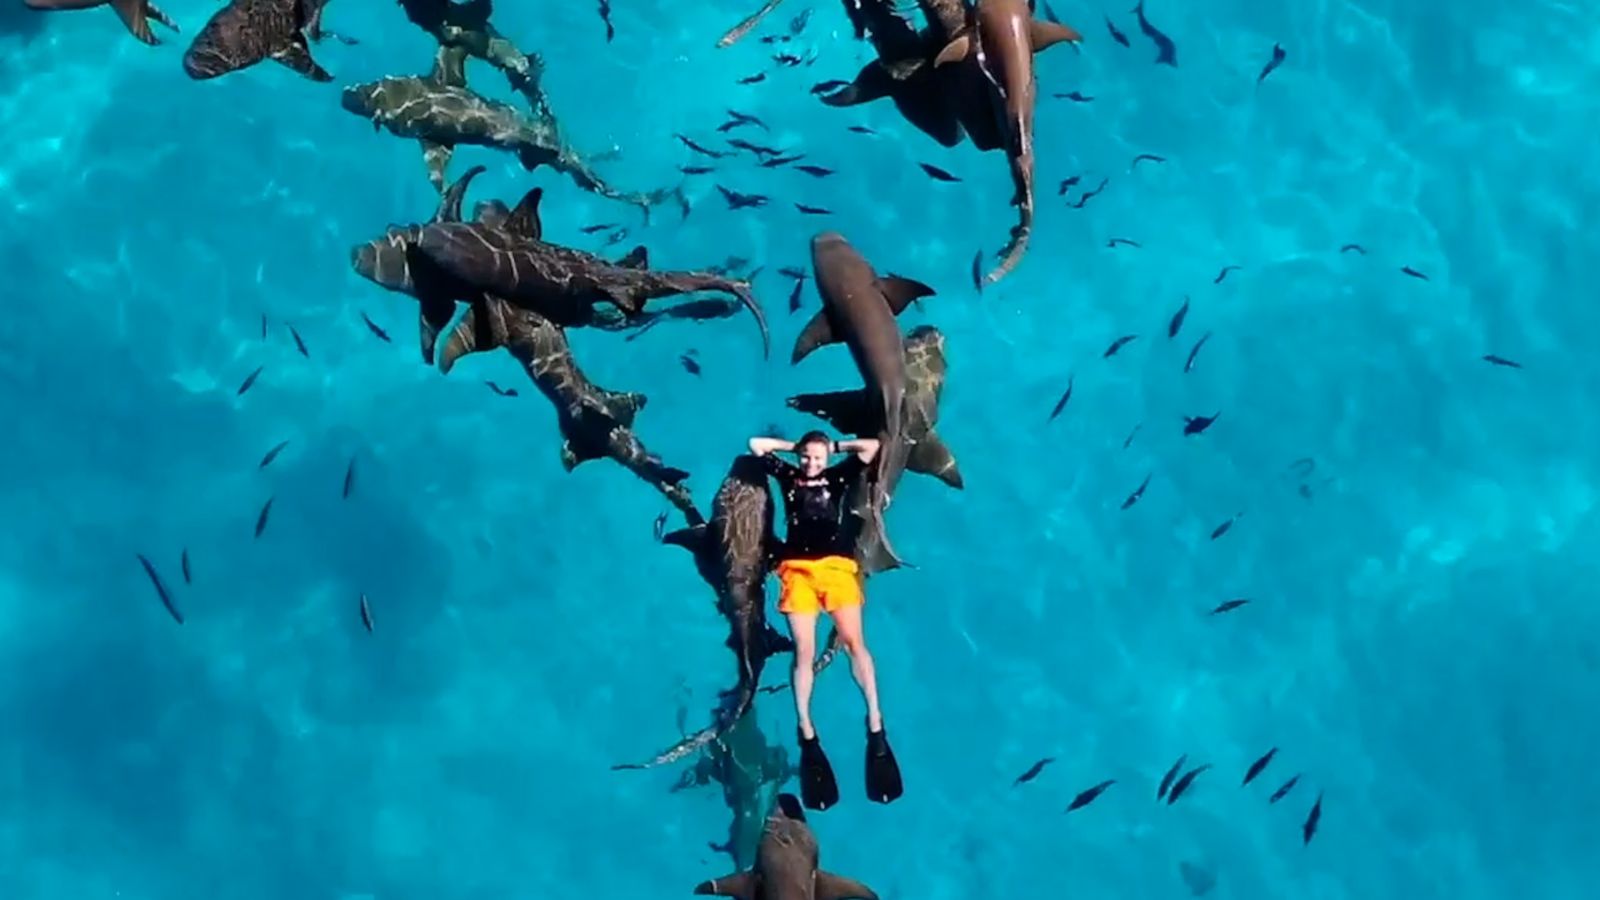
{"x": 813, "y": 458}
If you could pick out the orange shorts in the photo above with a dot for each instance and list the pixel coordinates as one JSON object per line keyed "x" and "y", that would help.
{"x": 819, "y": 585}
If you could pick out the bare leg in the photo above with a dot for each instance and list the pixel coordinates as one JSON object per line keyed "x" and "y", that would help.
{"x": 848, "y": 623}
{"x": 803, "y": 631}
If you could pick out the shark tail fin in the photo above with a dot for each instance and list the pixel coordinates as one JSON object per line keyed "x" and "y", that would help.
{"x": 727, "y": 717}
{"x": 134, "y": 16}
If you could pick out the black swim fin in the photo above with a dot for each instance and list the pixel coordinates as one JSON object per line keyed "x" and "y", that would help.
{"x": 818, "y": 788}
{"x": 883, "y": 772}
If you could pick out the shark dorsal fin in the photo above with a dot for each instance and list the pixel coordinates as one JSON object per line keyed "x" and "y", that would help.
{"x": 637, "y": 258}
{"x": 524, "y": 220}
{"x": 449, "y": 68}
{"x": 450, "y": 203}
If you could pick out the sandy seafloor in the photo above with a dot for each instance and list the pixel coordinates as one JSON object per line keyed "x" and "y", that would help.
{"x": 1422, "y": 643}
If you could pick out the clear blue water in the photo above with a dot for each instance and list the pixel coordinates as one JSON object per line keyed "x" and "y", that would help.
{"x": 1422, "y": 643}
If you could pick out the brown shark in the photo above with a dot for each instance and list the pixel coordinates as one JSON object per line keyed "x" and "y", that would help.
{"x": 787, "y": 865}
{"x": 465, "y": 260}
{"x": 442, "y": 112}
{"x": 245, "y": 32}
{"x": 135, "y": 14}
{"x": 733, "y": 553}
{"x": 466, "y": 26}
{"x": 859, "y": 309}
{"x": 1002, "y": 37}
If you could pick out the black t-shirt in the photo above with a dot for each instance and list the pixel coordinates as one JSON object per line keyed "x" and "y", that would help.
{"x": 814, "y": 507}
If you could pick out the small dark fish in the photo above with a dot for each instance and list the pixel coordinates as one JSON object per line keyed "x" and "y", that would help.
{"x": 937, "y": 173}
{"x": 703, "y": 151}
{"x": 736, "y": 119}
{"x": 1184, "y": 782}
{"x": 1259, "y": 766}
{"x": 1413, "y": 273}
{"x": 660, "y": 528}
{"x": 1353, "y": 247}
{"x": 1117, "y": 241}
{"x": 815, "y": 171}
{"x": 1166, "y": 50}
{"x": 813, "y": 210}
{"x": 1129, "y": 441}
{"x": 861, "y": 129}
{"x": 183, "y": 562}
{"x": 754, "y": 79}
{"x": 1501, "y": 361}
{"x": 794, "y": 297}
{"x": 263, "y": 326}
{"x": 250, "y": 380}
{"x": 1224, "y": 273}
{"x": 1084, "y": 197}
{"x": 500, "y": 391}
{"x": 616, "y": 237}
{"x": 591, "y": 229}
{"x": 1277, "y": 60}
{"x": 787, "y": 59}
{"x": 349, "y": 479}
{"x": 689, "y": 365}
{"x": 1087, "y": 797}
{"x": 1033, "y": 771}
{"x": 298, "y": 343}
{"x": 261, "y": 519}
{"x": 1050, "y": 14}
{"x": 1224, "y": 528}
{"x": 1145, "y": 156}
{"x": 1309, "y": 829}
{"x": 696, "y": 170}
{"x": 737, "y": 200}
{"x": 977, "y": 270}
{"x": 1134, "y": 497}
{"x": 1116, "y": 35}
{"x": 1283, "y": 792}
{"x": 1062, "y": 403}
{"x": 776, "y": 161}
{"x": 366, "y": 614}
{"x": 1193, "y": 425}
{"x": 1188, "y": 364}
{"x": 272, "y": 455}
{"x": 1075, "y": 97}
{"x": 829, "y": 86}
{"x": 1118, "y": 344}
{"x": 1067, "y": 184}
{"x": 798, "y": 23}
{"x": 795, "y": 272}
{"x": 1166, "y": 780}
{"x": 1229, "y": 606}
{"x": 1177, "y": 318}
{"x": 611, "y": 32}
{"x": 161, "y": 590}
{"x": 1304, "y": 466}
{"x": 377, "y": 332}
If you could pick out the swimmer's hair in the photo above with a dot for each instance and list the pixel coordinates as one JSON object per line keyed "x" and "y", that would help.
{"x": 813, "y": 437}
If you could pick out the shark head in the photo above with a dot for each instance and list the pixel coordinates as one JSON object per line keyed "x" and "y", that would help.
{"x": 364, "y": 100}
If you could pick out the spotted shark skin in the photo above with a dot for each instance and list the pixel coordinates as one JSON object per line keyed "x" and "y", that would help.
{"x": 733, "y": 554}
{"x": 246, "y": 32}
{"x": 136, "y": 15}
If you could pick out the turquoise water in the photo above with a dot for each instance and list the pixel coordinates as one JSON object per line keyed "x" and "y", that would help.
{"x": 1422, "y": 638}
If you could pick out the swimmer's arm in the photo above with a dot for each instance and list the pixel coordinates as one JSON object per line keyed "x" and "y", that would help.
{"x": 762, "y": 446}
{"x": 865, "y": 449}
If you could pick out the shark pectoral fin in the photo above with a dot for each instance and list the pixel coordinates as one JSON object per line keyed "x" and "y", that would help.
{"x": 838, "y": 887}
{"x": 575, "y": 453}
{"x": 132, "y": 13}
{"x": 524, "y": 220}
{"x": 872, "y": 83}
{"x": 297, "y": 56}
{"x": 902, "y": 292}
{"x": 778, "y": 642}
{"x": 436, "y": 314}
{"x": 845, "y": 410}
{"x": 1045, "y": 34}
{"x": 637, "y": 258}
{"x": 449, "y": 67}
{"x": 743, "y": 885}
{"x": 623, "y": 407}
{"x": 155, "y": 14}
{"x": 817, "y": 333}
{"x": 930, "y": 456}
{"x": 450, "y": 204}
{"x": 483, "y": 328}
{"x": 691, "y": 538}
{"x": 955, "y": 51}
{"x": 436, "y": 158}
